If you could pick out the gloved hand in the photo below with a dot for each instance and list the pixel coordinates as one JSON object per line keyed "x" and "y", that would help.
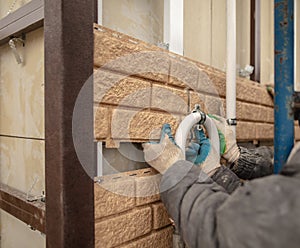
{"x": 163, "y": 154}
{"x": 229, "y": 149}
{"x": 201, "y": 153}
{"x": 198, "y": 150}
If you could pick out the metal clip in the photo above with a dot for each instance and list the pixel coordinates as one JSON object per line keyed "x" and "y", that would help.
{"x": 199, "y": 127}
{"x": 203, "y": 115}
{"x": 196, "y": 108}
{"x": 13, "y": 45}
{"x": 232, "y": 122}
{"x": 163, "y": 45}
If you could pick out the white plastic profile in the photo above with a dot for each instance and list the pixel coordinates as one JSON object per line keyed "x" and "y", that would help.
{"x": 187, "y": 124}
{"x": 173, "y": 25}
{"x": 231, "y": 62}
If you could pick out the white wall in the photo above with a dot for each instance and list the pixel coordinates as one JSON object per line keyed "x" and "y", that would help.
{"x": 205, "y": 32}
{"x": 142, "y": 19}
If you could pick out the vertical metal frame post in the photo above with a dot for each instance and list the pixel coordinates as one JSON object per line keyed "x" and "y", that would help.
{"x": 284, "y": 81}
{"x": 68, "y": 64}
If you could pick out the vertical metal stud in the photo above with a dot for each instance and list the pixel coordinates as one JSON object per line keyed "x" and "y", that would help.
{"x": 68, "y": 64}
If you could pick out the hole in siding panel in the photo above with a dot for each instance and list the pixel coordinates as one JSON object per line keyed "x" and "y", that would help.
{"x": 128, "y": 157}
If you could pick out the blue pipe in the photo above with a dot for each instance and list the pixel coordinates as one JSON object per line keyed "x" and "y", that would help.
{"x": 284, "y": 82}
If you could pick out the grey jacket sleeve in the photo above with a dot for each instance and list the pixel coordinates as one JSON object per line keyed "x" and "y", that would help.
{"x": 263, "y": 213}
{"x": 192, "y": 199}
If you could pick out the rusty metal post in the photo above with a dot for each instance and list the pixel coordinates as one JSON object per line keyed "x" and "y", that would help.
{"x": 284, "y": 81}
{"x": 68, "y": 64}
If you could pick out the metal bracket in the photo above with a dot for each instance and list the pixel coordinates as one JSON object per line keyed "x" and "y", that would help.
{"x": 163, "y": 45}
{"x": 30, "y": 198}
{"x": 232, "y": 122}
{"x": 13, "y": 42}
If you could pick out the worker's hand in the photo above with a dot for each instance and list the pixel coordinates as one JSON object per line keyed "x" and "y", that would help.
{"x": 229, "y": 149}
{"x": 200, "y": 153}
{"x": 163, "y": 154}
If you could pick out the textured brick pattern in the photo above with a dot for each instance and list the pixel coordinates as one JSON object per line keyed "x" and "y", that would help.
{"x": 108, "y": 197}
{"x": 139, "y": 87}
{"x": 166, "y": 94}
{"x": 160, "y": 239}
{"x": 177, "y": 99}
{"x": 124, "y": 217}
{"x": 147, "y": 189}
{"x": 110, "y": 46}
{"x": 264, "y": 131}
{"x": 102, "y": 121}
{"x": 140, "y": 125}
{"x": 246, "y": 130}
{"x": 127, "y": 92}
{"x": 160, "y": 216}
{"x": 197, "y": 98}
{"x": 122, "y": 228}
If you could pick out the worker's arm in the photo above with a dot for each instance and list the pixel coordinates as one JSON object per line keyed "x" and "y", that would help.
{"x": 263, "y": 213}
{"x": 192, "y": 199}
{"x": 245, "y": 163}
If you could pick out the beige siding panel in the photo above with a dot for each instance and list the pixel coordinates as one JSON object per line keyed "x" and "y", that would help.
{"x": 197, "y": 30}
{"x": 142, "y": 19}
{"x": 6, "y": 5}
{"x": 219, "y": 34}
{"x": 267, "y": 41}
{"x": 243, "y": 33}
{"x": 15, "y": 234}
{"x": 22, "y": 163}
{"x": 22, "y": 88}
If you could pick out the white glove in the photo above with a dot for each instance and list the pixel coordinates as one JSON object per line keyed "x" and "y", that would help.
{"x": 164, "y": 154}
{"x": 229, "y": 149}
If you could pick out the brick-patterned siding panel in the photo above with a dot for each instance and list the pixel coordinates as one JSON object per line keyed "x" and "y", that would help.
{"x": 122, "y": 228}
{"x": 264, "y": 131}
{"x": 160, "y": 216}
{"x": 110, "y": 46}
{"x": 197, "y": 98}
{"x": 102, "y": 120}
{"x": 169, "y": 99}
{"x": 114, "y": 197}
{"x": 155, "y": 95}
{"x": 214, "y": 105}
{"x": 141, "y": 125}
{"x": 160, "y": 239}
{"x": 130, "y": 91}
{"x": 246, "y": 130}
{"x": 147, "y": 189}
